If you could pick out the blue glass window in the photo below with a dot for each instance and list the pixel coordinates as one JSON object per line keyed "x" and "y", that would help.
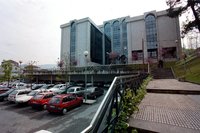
{"x": 107, "y": 30}
{"x": 72, "y": 43}
{"x": 151, "y": 35}
{"x": 124, "y": 38}
{"x": 116, "y": 37}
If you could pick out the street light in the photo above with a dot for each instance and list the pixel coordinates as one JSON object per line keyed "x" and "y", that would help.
{"x": 85, "y": 54}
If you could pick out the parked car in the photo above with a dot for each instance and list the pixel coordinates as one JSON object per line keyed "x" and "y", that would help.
{"x": 4, "y": 96}
{"x": 17, "y": 93}
{"x": 19, "y": 86}
{"x": 37, "y": 86}
{"x": 27, "y": 98}
{"x": 56, "y": 87}
{"x": 47, "y": 86}
{"x": 40, "y": 101}
{"x": 62, "y": 103}
{"x": 77, "y": 90}
{"x": 93, "y": 92}
{"x": 3, "y": 89}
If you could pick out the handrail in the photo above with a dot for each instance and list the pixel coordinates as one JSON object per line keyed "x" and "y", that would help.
{"x": 109, "y": 101}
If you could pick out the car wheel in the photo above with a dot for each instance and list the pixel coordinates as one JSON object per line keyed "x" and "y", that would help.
{"x": 64, "y": 111}
{"x": 45, "y": 106}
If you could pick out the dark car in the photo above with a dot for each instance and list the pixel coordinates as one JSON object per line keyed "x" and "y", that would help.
{"x": 4, "y": 96}
{"x": 62, "y": 103}
{"x": 93, "y": 92}
{"x": 3, "y": 89}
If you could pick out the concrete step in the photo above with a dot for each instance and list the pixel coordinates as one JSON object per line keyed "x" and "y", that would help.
{"x": 162, "y": 73}
{"x": 174, "y": 91}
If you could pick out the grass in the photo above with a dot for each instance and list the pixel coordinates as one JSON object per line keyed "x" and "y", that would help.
{"x": 188, "y": 69}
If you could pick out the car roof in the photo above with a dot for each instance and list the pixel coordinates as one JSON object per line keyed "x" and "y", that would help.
{"x": 46, "y": 93}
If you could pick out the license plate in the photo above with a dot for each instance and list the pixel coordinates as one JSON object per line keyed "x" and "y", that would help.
{"x": 52, "y": 106}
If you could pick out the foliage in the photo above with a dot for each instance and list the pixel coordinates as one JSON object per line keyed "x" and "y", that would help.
{"x": 179, "y": 7}
{"x": 130, "y": 104}
{"x": 7, "y": 69}
{"x": 188, "y": 69}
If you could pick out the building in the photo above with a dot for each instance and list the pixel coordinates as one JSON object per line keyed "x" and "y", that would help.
{"x": 15, "y": 67}
{"x": 152, "y": 36}
{"x": 79, "y": 36}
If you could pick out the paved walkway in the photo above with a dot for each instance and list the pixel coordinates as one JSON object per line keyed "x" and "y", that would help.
{"x": 169, "y": 113}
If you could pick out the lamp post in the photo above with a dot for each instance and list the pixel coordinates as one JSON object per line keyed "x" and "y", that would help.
{"x": 20, "y": 62}
{"x": 85, "y": 54}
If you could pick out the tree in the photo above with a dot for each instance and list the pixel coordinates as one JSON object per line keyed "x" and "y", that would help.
{"x": 179, "y": 7}
{"x": 7, "y": 66}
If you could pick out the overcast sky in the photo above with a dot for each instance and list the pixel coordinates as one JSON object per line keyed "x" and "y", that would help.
{"x": 30, "y": 29}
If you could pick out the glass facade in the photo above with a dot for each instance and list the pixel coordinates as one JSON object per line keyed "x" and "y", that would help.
{"x": 96, "y": 45}
{"x": 107, "y": 49}
{"x": 124, "y": 38}
{"x": 151, "y": 35}
{"x": 107, "y": 29}
{"x": 72, "y": 43}
{"x": 116, "y": 37}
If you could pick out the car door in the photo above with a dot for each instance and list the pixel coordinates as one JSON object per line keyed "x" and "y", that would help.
{"x": 46, "y": 98}
{"x": 73, "y": 101}
{"x": 66, "y": 102}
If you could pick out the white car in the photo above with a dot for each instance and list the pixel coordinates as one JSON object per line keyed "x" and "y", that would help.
{"x": 27, "y": 97}
{"x": 18, "y": 93}
{"x": 19, "y": 85}
{"x": 76, "y": 90}
{"x": 57, "y": 87}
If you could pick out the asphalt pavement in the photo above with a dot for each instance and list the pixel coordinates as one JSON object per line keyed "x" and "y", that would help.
{"x": 24, "y": 119}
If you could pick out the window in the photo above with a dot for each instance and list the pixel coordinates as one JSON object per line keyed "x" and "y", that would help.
{"x": 96, "y": 50}
{"x": 107, "y": 29}
{"x": 124, "y": 38}
{"x": 72, "y": 42}
{"x": 151, "y": 35}
{"x": 116, "y": 37}
{"x": 137, "y": 55}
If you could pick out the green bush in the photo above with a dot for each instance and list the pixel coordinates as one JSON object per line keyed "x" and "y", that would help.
{"x": 130, "y": 105}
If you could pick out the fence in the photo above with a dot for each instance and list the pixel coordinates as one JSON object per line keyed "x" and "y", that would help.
{"x": 109, "y": 110}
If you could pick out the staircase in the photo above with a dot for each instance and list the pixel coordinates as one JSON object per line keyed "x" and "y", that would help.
{"x": 162, "y": 73}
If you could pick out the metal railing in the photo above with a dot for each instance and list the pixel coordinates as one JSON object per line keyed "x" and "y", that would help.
{"x": 109, "y": 110}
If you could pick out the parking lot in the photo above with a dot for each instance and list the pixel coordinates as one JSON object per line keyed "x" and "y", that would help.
{"x": 23, "y": 119}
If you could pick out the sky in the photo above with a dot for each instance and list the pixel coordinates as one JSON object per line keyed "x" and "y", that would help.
{"x": 30, "y": 29}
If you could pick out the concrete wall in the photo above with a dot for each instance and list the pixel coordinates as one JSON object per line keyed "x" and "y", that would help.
{"x": 82, "y": 42}
{"x": 65, "y": 44}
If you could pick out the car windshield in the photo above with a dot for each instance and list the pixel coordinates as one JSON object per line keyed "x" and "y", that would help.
{"x": 14, "y": 93}
{"x": 38, "y": 97}
{"x": 32, "y": 93}
{"x": 55, "y": 100}
{"x": 70, "y": 90}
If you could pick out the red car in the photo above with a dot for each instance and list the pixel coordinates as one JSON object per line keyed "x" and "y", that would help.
{"x": 62, "y": 103}
{"x": 41, "y": 100}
